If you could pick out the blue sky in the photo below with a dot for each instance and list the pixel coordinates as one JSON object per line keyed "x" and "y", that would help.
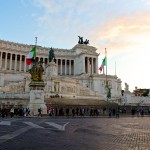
{"x": 122, "y": 26}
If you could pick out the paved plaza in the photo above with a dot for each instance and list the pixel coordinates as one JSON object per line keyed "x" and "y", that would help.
{"x": 126, "y": 133}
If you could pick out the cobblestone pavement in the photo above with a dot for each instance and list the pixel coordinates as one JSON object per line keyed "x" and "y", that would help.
{"x": 127, "y": 133}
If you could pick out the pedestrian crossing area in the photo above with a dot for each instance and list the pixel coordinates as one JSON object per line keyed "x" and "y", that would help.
{"x": 42, "y": 125}
{"x": 8, "y": 123}
{"x": 10, "y": 129}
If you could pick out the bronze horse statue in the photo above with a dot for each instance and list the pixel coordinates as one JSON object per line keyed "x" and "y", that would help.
{"x": 82, "y": 42}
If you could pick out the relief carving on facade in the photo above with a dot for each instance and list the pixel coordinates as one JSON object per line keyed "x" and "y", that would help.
{"x": 68, "y": 89}
{"x": 49, "y": 89}
{"x": 64, "y": 89}
{"x": 13, "y": 87}
{"x": 85, "y": 83}
{"x": 37, "y": 96}
{"x": 84, "y": 92}
{"x": 56, "y": 87}
{"x": 19, "y": 88}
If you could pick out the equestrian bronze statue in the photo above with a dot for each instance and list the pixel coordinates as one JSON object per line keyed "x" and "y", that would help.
{"x": 51, "y": 55}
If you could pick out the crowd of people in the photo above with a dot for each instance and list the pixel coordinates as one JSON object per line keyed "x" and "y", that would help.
{"x": 76, "y": 111}
{"x": 140, "y": 111}
{"x": 14, "y": 111}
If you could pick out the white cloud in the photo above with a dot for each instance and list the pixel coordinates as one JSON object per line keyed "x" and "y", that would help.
{"x": 125, "y": 34}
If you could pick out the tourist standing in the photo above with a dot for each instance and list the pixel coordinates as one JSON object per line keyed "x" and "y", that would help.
{"x": 117, "y": 113}
{"x": 3, "y": 112}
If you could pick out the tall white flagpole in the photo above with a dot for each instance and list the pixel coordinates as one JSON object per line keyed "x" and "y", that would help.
{"x": 106, "y": 64}
{"x": 115, "y": 68}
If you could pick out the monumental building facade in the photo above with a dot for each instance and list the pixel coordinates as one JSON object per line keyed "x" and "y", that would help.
{"x": 74, "y": 75}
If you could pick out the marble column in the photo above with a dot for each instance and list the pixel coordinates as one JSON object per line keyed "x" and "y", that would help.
{"x": 69, "y": 67}
{"x": 96, "y": 65}
{"x": 65, "y": 66}
{"x": 10, "y": 65}
{"x": 1, "y": 60}
{"x": 15, "y": 62}
{"x": 25, "y": 65}
{"x": 83, "y": 65}
{"x": 20, "y": 63}
{"x": 88, "y": 65}
{"x": 60, "y": 66}
{"x": 6, "y": 60}
{"x": 44, "y": 62}
{"x": 92, "y": 65}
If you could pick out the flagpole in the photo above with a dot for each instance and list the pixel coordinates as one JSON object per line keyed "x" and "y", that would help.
{"x": 103, "y": 71}
{"x": 115, "y": 68}
{"x": 103, "y": 68}
{"x": 106, "y": 74}
{"x": 35, "y": 41}
{"x": 106, "y": 64}
{"x": 36, "y": 46}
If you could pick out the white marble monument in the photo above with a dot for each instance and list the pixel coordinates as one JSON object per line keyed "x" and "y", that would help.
{"x": 36, "y": 102}
{"x": 37, "y": 85}
{"x": 51, "y": 69}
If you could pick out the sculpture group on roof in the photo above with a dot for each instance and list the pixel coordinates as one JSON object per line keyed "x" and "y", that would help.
{"x": 82, "y": 42}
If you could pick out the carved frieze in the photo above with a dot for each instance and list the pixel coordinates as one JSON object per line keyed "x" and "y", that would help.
{"x": 84, "y": 92}
{"x": 68, "y": 89}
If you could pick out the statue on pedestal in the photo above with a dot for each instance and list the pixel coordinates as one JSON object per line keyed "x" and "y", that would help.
{"x": 126, "y": 87}
{"x": 36, "y": 71}
{"x": 51, "y": 55}
{"x": 37, "y": 88}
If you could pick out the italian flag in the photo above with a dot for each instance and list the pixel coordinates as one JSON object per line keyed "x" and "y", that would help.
{"x": 103, "y": 64}
{"x": 31, "y": 55}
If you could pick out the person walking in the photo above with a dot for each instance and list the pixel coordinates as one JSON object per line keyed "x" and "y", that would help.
{"x": 110, "y": 111}
{"x": 28, "y": 112}
{"x": 11, "y": 112}
{"x": 39, "y": 112}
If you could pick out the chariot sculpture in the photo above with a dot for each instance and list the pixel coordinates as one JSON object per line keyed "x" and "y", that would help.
{"x": 82, "y": 42}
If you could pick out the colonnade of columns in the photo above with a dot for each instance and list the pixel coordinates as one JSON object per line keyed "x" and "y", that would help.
{"x": 91, "y": 65}
{"x": 10, "y": 61}
{"x": 16, "y": 62}
{"x": 65, "y": 66}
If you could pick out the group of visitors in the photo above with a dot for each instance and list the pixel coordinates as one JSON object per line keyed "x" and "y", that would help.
{"x": 114, "y": 112}
{"x": 131, "y": 111}
{"x": 140, "y": 111}
{"x": 75, "y": 111}
{"x": 14, "y": 111}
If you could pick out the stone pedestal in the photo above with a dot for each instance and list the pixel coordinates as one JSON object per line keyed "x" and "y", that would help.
{"x": 51, "y": 69}
{"x": 37, "y": 97}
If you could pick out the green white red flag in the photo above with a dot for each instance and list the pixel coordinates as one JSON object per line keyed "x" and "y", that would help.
{"x": 31, "y": 55}
{"x": 103, "y": 64}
